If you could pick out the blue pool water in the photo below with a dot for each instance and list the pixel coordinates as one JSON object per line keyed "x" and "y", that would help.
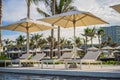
{"x": 13, "y": 76}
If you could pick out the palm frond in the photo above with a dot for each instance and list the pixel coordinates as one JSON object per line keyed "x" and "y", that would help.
{"x": 42, "y": 12}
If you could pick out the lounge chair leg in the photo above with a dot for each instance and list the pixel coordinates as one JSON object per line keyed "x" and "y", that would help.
{"x": 38, "y": 64}
{"x": 47, "y": 64}
{"x": 19, "y": 64}
{"x": 66, "y": 65}
{"x": 89, "y": 65}
{"x": 5, "y": 64}
{"x": 42, "y": 65}
{"x": 101, "y": 64}
{"x": 80, "y": 65}
{"x": 11, "y": 63}
{"x": 54, "y": 65}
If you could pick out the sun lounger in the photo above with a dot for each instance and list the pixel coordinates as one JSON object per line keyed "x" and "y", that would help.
{"x": 34, "y": 59}
{"x": 90, "y": 57}
{"x": 37, "y": 58}
{"x": 22, "y": 58}
{"x": 65, "y": 56}
{"x": 25, "y": 56}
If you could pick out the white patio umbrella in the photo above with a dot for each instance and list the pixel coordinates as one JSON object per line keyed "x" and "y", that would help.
{"x": 108, "y": 51}
{"x": 92, "y": 48}
{"x": 118, "y": 47}
{"x": 107, "y": 48}
{"x": 66, "y": 49}
{"x": 73, "y": 18}
{"x": 116, "y": 7}
{"x": 27, "y": 26}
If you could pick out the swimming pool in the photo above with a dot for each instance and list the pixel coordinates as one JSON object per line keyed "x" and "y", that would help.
{"x": 14, "y": 76}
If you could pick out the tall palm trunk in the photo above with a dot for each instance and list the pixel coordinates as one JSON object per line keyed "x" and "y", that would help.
{"x": 99, "y": 40}
{"x": 91, "y": 42}
{"x": 28, "y": 16}
{"x": 86, "y": 43}
{"x": 28, "y": 9}
{"x": 0, "y": 24}
{"x": 52, "y": 31}
{"x": 59, "y": 53}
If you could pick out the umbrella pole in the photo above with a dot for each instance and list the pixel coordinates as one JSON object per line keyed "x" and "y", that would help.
{"x": 74, "y": 28}
{"x": 74, "y": 45}
{"x": 27, "y": 40}
{"x": 74, "y": 34}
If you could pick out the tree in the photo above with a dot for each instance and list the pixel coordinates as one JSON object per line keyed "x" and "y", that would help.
{"x": 78, "y": 41}
{"x": 108, "y": 40}
{"x": 91, "y": 34}
{"x": 50, "y": 6}
{"x": 55, "y": 7}
{"x": 8, "y": 44}
{"x": 68, "y": 44}
{"x": 63, "y": 6}
{"x": 20, "y": 42}
{"x": 32, "y": 43}
{"x": 62, "y": 42}
{"x": 36, "y": 39}
{"x": 0, "y": 23}
{"x": 42, "y": 43}
{"x": 86, "y": 35}
{"x": 100, "y": 33}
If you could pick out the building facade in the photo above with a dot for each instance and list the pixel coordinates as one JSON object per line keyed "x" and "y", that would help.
{"x": 113, "y": 32}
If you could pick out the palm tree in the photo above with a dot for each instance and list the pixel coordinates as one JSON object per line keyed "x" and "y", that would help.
{"x": 68, "y": 44}
{"x": 55, "y": 7}
{"x": 62, "y": 42}
{"x": 8, "y": 44}
{"x": 109, "y": 40}
{"x": 42, "y": 43}
{"x": 36, "y": 38}
{"x": 0, "y": 24}
{"x": 28, "y": 8}
{"x": 20, "y": 41}
{"x": 63, "y": 6}
{"x": 100, "y": 33}
{"x": 91, "y": 35}
{"x": 86, "y": 34}
{"x": 50, "y": 6}
{"x": 32, "y": 43}
{"x": 78, "y": 41}
{"x": 49, "y": 40}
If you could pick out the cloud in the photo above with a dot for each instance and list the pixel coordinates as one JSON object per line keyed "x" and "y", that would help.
{"x": 101, "y": 9}
{"x": 14, "y": 10}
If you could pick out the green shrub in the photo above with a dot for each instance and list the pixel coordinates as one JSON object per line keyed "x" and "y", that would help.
{"x": 2, "y": 64}
{"x": 4, "y": 58}
{"x": 111, "y": 62}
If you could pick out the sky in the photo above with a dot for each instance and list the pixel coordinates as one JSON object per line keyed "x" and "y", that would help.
{"x": 14, "y": 10}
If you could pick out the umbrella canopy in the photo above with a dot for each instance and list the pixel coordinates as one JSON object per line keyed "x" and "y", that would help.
{"x": 107, "y": 48}
{"x": 27, "y": 25}
{"x": 118, "y": 47}
{"x": 66, "y": 49}
{"x": 116, "y": 7}
{"x": 116, "y": 51}
{"x": 74, "y": 18}
{"x": 92, "y": 48}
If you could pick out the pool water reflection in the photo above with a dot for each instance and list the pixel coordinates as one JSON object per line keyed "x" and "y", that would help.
{"x": 13, "y": 76}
